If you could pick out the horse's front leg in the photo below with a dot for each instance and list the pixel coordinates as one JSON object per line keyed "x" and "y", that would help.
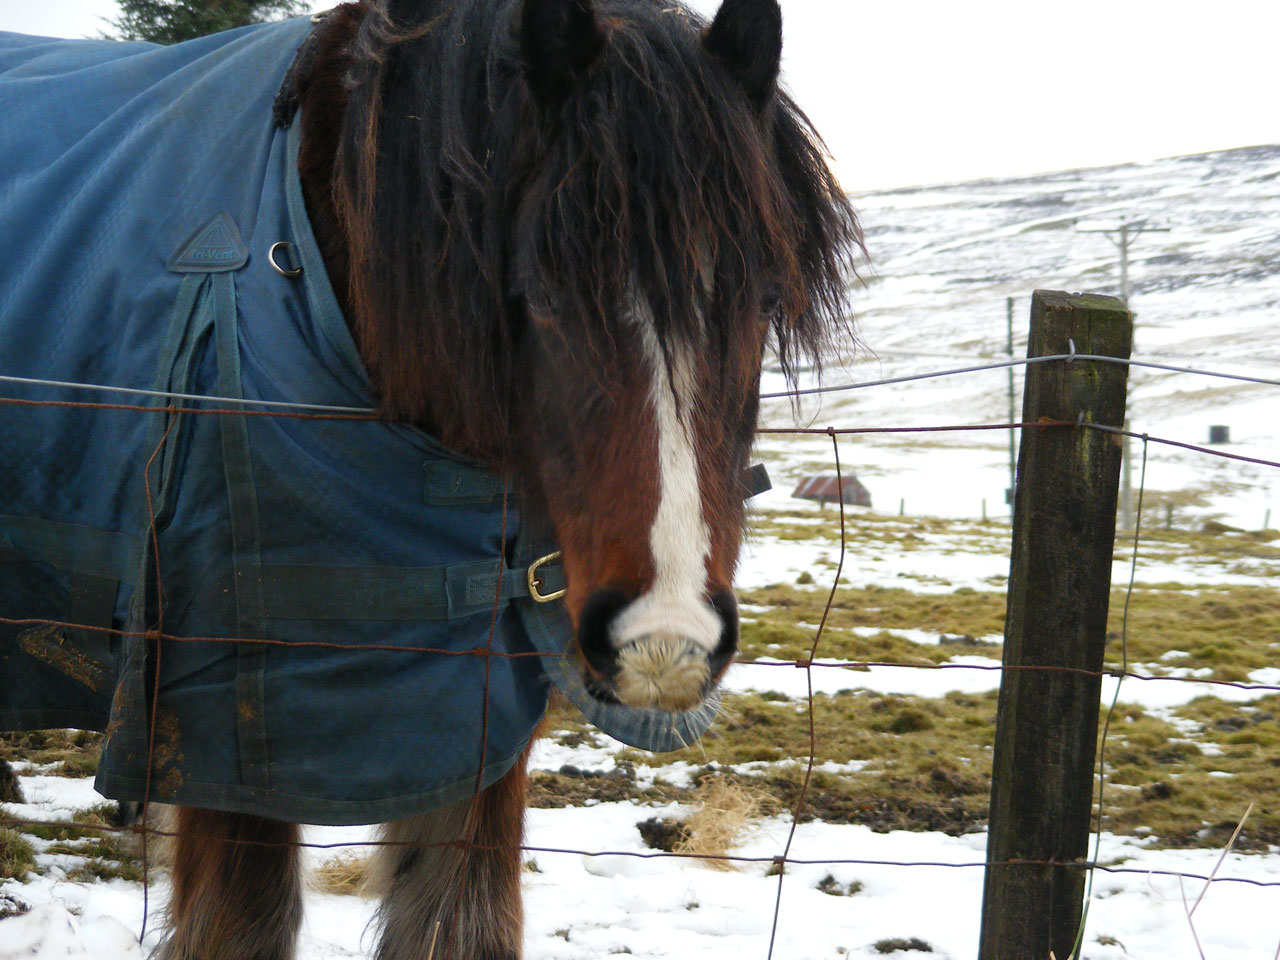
{"x": 453, "y": 902}
{"x": 237, "y": 892}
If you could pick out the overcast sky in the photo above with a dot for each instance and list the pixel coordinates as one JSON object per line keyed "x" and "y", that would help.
{"x": 924, "y": 91}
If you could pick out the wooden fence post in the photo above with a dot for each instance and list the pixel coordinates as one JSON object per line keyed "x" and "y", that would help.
{"x": 1059, "y": 586}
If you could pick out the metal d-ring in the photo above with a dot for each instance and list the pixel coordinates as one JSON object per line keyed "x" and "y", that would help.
{"x": 536, "y": 582}
{"x": 271, "y": 259}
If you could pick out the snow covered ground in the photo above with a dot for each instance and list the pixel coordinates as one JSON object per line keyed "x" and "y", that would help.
{"x": 1206, "y": 293}
{"x": 626, "y": 901}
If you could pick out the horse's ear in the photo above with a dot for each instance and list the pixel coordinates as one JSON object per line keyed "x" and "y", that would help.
{"x": 559, "y": 40}
{"x": 746, "y": 37}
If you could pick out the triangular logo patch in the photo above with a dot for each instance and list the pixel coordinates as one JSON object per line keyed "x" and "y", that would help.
{"x": 214, "y": 248}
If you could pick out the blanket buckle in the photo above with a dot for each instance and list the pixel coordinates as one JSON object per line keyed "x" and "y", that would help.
{"x": 536, "y": 583}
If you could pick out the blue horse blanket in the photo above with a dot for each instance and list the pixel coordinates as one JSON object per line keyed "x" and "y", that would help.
{"x": 368, "y": 646}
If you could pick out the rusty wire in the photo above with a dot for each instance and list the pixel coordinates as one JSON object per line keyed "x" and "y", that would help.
{"x": 262, "y": 641}
{"x": 372, "y": 416}
{"x": 852, "y": 665}
{"x": 858, "y": 666}
{"x": 465, "y": 845}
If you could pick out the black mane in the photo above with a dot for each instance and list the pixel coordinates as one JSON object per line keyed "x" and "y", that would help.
{"x": 469, "y": 201}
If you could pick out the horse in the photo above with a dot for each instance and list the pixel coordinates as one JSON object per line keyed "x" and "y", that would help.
{"x": 563, "y": 235}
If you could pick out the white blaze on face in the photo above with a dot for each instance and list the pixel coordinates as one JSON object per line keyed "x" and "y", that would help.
{"x": 672, "y": 617}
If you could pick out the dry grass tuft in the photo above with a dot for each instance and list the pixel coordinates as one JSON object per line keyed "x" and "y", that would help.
{"x": 347, "y": 874}
{"x": 17, "y": 857}
{"x": 726, "y": 810}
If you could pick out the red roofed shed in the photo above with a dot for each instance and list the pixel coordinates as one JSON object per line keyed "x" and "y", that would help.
{"x": 825, "y": 488}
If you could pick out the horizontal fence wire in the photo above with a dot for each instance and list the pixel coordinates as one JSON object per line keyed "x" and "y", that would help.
{"x": 853, "y": 666}
{"x": 863, "y": 665}
{"x": 196, "y": 411}
{"x": 269, "y": 642}
{"x": 283, "y": 406}
{"x": 1040, "y": 424}
{"x": 1018, "y": 362}
{"x": 1208, "y": 451}
{"x": 1087, "y": 864}
{"x": 946, "y": 428}
{"x": 233, "y": 406}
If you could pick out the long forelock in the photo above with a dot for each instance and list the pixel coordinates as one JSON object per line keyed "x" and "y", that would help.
{"x": 662, "y": 144}
{"x": 655, "y": 169}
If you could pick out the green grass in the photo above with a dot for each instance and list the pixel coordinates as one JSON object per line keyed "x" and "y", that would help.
{"x": 67, "y": 753}
{"x": 878, "y": 532}
{"x": 786, "y": 627}
{"x": 96, "y": 868}
{"x": 1228, "y": 630}
{"x": 17, "y": 857}
{"x": 1192, "y": 788}
{"x": 100, "y": 851}
{"x": 926, "y": 762}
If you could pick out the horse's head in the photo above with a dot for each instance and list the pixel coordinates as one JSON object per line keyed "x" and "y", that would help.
{"x": 617, "y": 212}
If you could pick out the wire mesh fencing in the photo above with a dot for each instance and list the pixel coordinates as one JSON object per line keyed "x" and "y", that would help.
{"x": 176, "y": 405}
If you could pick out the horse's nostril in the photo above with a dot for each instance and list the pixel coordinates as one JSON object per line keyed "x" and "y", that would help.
{"x": 648, "y": 654}
{"x": 593, "y": 630}
{"x": 726, "y": 606}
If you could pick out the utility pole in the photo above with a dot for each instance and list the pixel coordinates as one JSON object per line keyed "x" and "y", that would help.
{"x": 1013, "y": 454}
{"x": 1122, "y": 236}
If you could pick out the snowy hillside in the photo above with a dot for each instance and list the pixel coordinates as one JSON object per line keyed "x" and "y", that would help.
{"x": 1206, "y": 294}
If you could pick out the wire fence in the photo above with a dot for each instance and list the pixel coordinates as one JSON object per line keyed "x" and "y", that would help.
{"x": 225, "y": 406}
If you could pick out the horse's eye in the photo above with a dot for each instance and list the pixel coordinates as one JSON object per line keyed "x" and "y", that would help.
{"x": 770, "y": 301}
{"x": 540, "y": 313}
{"x": 537, "y": 306}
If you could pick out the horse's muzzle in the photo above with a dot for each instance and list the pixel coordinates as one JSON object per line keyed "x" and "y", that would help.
{"x": 665, "y": 668}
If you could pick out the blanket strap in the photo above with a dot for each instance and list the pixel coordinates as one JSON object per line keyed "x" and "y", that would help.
{"x": 131, "y": 559}
{"x": 99, "y": 561}
{"x": 314, "y": 592}
{"x": 246, "y": 537}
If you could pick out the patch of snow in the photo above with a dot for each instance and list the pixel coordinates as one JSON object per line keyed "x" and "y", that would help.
{"x": 613, "y": 897}
{"x": 50, "y": 932}
{"x": 1266, "y": 676}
